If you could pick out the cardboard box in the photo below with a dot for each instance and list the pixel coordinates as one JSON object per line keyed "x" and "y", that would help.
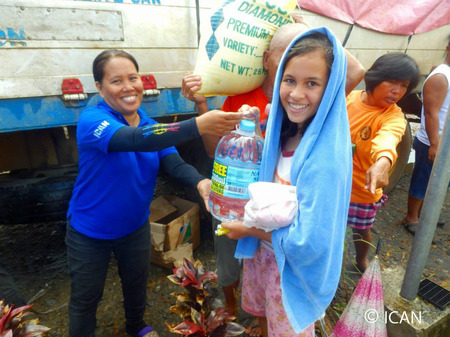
{"x": 173, "y": 258}
{"x": 175, "y": 230}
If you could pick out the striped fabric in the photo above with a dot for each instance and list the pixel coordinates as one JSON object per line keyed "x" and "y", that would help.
{"x": 361, "y": 215}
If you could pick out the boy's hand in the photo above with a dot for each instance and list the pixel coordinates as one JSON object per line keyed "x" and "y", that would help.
{"x": 190, "y": 85}
{"x": 250, "y": 113}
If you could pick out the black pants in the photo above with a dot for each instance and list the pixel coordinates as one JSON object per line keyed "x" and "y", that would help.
{"x": 88, "y": 265}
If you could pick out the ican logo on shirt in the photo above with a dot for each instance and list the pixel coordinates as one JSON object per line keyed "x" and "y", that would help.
{"x": 100, "y": 128}
{"x": 365, "y": 133}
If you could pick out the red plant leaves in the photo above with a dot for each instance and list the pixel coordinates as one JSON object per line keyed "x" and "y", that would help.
{"x": 194, "y": 306}
{"x": 13, "y": 323}
{"x": 6, "y": 333}
{"x": 189, "y": 270}
{"x": 187, "y": 328}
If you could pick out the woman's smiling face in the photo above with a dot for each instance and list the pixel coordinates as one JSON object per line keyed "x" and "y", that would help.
{"x": 121, "y": 86}
{"x": 303, "y": 84}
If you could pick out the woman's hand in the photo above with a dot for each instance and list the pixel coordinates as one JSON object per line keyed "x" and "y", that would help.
{"x": 218, "y": 123}
{"x": 189, "y": 86}
{"x": 237, "y": 230}
{"x": 203, "y": 188}
{"x": 377, "y": 176}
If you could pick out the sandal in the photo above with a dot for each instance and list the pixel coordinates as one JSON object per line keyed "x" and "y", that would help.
{"x": 254, "y": 329}
{"x": 411, "y": 227}
{"x": 148, "y": 331}
{"x": 356, "y": 269}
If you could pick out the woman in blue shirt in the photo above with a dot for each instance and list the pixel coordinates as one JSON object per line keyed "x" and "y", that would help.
{"x": 120, "y": 152}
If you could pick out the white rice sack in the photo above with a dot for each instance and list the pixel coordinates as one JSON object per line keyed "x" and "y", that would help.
{"x": 232, "y": 43}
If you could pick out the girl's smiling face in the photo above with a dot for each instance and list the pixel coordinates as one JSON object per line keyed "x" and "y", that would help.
{"x": 303, "y": 84}
{"x": 121, "y": 86}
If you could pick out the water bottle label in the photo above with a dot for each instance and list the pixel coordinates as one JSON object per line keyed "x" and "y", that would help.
{"x": 232, "y": 181}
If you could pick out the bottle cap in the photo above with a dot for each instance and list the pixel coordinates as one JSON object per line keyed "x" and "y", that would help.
{"x": 247, "y": 125}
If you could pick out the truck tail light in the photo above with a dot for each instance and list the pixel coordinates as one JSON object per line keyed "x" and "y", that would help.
{"x": 150, "y": 88}
{"x": 72, "y": 90}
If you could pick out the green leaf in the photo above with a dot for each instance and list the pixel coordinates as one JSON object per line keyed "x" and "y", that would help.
{"x": 201, "y": 296}
{"x": 174, "y": 279}
{"x": 31, "y": 330}
{"x": 196, "y": 317}
{"x": 234, "y": 329}
{"x": 182, "y": 310}
{"x": 181, "y": 297}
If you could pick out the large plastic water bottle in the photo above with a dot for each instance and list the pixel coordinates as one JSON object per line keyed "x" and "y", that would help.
{"x": 236, "y": 165}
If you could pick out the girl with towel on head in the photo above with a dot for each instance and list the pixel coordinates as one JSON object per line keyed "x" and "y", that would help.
{"x": 291, "y": 273}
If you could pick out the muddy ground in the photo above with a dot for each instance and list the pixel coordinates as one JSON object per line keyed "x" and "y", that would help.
{"x": 36, "y": 257}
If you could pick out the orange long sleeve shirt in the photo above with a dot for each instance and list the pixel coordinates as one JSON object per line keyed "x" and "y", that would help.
{"x": 376, "y": 133}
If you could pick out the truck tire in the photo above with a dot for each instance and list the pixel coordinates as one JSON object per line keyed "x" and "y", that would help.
{"x": 37, "y": 200}
{"x": 403, "y": 150}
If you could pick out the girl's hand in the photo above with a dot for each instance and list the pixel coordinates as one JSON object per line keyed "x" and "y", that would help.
{"x": 237, "y": 230}
{"x": 203, "y": 188}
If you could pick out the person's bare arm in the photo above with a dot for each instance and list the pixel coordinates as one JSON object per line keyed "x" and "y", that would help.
{"x": 434, "y": 93}
{"x": 355, "y": 72}
{"x": 298, "y": 18}
{"x": 237, "y": 230}
{"x": 190, "y": 85}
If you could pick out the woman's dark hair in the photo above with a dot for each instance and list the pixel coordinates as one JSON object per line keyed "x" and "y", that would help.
{"x": 98, "y": 67}
{"x": 395, "y": 66}
{"x": 307, "y": 44}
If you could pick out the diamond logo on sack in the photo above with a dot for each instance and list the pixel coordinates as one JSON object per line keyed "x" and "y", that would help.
{"x": 212, "y": 46}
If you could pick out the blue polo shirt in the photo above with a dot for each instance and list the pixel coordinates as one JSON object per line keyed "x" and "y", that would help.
{"x": 113, "y": 190}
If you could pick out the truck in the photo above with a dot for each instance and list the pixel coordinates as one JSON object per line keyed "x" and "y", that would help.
{"x": 46, "y": 53}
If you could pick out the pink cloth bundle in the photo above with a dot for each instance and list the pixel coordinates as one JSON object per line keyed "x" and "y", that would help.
{"x": 271, "y": 206}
